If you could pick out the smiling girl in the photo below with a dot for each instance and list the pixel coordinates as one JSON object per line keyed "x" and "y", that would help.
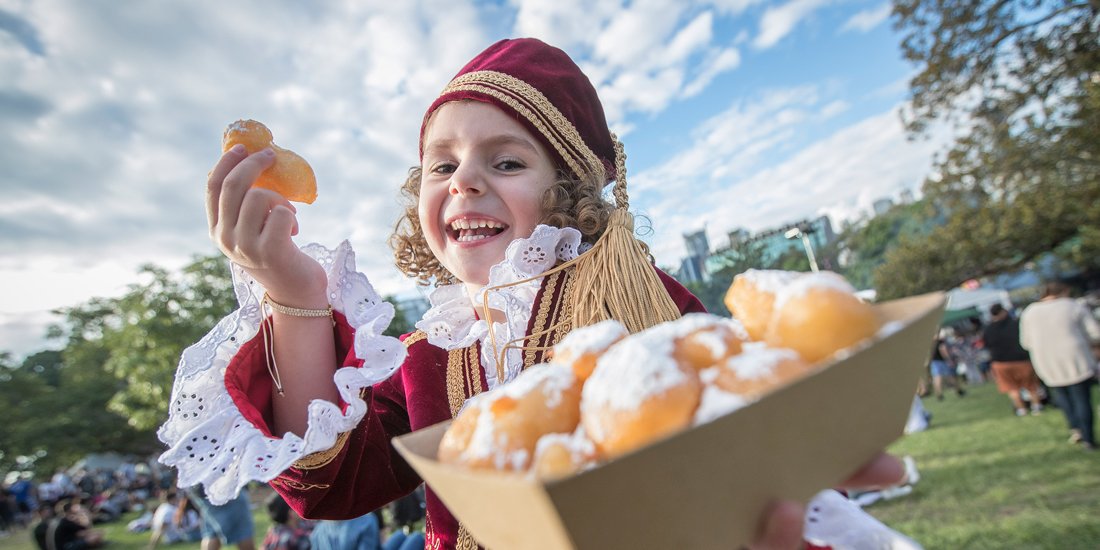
{"x": 506, "y": 213}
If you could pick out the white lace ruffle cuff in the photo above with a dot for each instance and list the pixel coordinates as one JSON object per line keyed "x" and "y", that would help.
{"x": 209, "y": 440}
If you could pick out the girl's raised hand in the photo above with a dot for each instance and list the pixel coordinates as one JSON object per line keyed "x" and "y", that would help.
{"x": 253, "y": 228}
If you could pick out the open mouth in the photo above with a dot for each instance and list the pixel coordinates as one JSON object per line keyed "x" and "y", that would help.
{"x": 468, "y": 230}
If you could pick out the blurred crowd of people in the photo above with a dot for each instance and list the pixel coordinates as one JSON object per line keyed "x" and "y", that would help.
{"x": 368, "y": 532}
{"x": 67, "y": 512}
{"x": 64, "y": 510}
{"x": 1045, "y": 354}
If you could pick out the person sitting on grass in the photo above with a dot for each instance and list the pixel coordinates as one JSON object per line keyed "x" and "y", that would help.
{"x": 288, "y": 530}
{"x": 63, "y": 528}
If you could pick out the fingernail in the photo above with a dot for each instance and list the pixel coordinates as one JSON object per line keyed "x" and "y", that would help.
{"x": 237, "y": 149}
{"x": 268, "y": 152}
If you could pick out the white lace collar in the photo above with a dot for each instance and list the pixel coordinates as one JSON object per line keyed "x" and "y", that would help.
{"x": 452, "y": 321}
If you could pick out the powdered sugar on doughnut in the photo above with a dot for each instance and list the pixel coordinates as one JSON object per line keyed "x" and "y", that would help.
{"x": 738, "y": 328}
{"x": 488, "y": 442}
{"x": 554, "y": 379}
{"x": 715, "y": 403}
{"x": 591, "y": 339}
{"x": 633, "y": 370}
{"x": 713, "y": 341}
{"x": 757, "y": 360}
{"x": 770, "y": 280}
{"x": 578, "y": 445}
{"x": 810, "y": 281}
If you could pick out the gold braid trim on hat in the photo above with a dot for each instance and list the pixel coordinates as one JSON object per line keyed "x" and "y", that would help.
{"x": 531, "y": 104}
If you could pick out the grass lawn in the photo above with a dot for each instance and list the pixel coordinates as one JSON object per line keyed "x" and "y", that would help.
{"x": 988, "y": 480}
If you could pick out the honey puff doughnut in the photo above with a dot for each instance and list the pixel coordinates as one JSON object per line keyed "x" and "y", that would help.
{"x": 580, "y": 348}
{"x": 638, "y": 393}
{"x": 290, "y": 176}
{"x": 819, "y": 314}
{"x": 560, "y": 455}
{"x": 499, "y": 430}
{"x": 746, "y": 377}
{"x": 757, "y": 370}
{"x": 751, "y": 298}
{"x": 706, "y": 340}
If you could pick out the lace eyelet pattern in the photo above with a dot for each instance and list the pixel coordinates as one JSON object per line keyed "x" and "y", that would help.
{"x": 211, "y": 443}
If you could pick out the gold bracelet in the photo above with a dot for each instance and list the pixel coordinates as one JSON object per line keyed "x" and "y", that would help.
{"x": 269, "y": 336}
{"x": 296, "y": 311}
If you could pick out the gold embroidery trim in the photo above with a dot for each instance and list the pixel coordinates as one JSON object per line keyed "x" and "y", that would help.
{"x": 465, "y": 540}
{"x": 455, "y": 392}
{"x": 299, "y": 485}
{"x": 541, "y": 318}
{"x": 564, "y": 316}
{"x": 414, "y": 338}
{"x": 538, "y": 110}
{"x": 463, "y": 377}
{"x": 320, "y": 459}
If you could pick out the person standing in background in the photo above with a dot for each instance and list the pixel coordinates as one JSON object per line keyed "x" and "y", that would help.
{"x": 1011, "y": 363}
{"x": 943, "y": 366}
{"x": 1058, "y": 331}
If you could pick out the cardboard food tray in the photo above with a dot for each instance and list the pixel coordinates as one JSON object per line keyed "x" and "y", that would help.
{"x": 705, "y": 487}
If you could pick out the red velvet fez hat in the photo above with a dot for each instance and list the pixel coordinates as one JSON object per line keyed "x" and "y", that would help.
{"x": 543, "y": 89}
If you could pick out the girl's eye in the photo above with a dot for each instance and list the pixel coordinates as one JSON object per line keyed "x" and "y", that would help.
{"x": 443, "y": 168}
{"x": 510, "y": 165}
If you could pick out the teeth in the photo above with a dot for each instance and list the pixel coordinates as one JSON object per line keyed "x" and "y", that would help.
{"x": 470, "y": 238}
{"x": 474, "y": 224}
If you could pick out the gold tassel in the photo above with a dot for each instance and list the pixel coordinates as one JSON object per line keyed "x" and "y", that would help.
{"x": 614, "y": 280}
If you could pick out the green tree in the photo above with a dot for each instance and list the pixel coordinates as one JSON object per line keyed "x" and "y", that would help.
{"x": 865, "y": 244}
{"x": 138, "y": 337}
{"x": 400, "y": 324}
{"x": 1022, "y": 79}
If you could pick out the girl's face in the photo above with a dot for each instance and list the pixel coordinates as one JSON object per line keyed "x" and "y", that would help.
{"x": 483, "y": 179}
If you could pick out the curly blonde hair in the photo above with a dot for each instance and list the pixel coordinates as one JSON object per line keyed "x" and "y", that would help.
{"x": 569, "y": 202}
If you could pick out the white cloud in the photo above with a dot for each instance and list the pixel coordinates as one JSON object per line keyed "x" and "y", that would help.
{"x": 717, "y": 62}
{"x": 778, "y": 22}
{"x": 866, "y": 20}
{"x": 557, "y": 21}
{"x": 732, "y": 162}
{"x": 111, "y": 115}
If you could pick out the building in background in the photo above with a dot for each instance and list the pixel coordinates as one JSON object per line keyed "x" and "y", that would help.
{"x": 770, "y": 245}
{"x": 774, "y": 243}
{"x": 693, "y": 266}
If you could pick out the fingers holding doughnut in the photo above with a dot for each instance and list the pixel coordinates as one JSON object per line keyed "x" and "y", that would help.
{"x": 214, "y": 179}
{"x": 237, "y": 183}
{"x": 265, "y": 216}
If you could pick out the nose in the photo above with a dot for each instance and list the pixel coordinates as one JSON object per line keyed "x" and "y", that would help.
{"x": 467, "y": 181}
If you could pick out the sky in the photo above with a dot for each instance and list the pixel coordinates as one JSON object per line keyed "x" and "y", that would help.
{"x": 734, "y": 113}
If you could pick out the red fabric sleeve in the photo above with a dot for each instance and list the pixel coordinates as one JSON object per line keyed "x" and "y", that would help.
{"x": 369, "y": 471}
{"x": 682, "y": 297}
{"x": 249, "y": 383}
